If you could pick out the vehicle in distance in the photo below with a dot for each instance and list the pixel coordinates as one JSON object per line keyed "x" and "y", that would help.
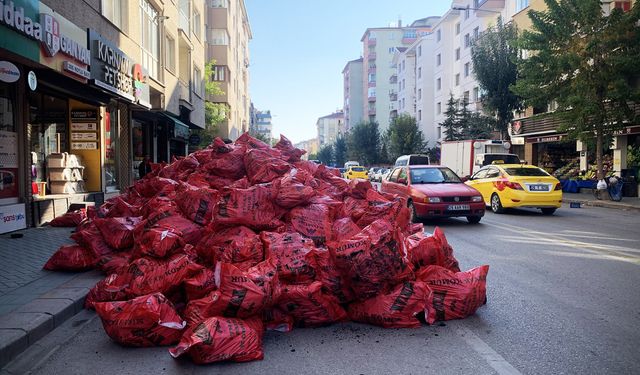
{"x": 356, "y": 172}
{"x": 342, "y": 172}
{"x": 517, "y": 185}
{"x": 413, "y": 159}
{"x": 351, "y": 164}
{"x": 434, "y": 191}
{"x": 372, "y": 172}
{"x": 379, "y": 174}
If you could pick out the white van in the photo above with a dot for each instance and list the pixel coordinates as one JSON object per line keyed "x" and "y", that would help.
{"x": 351, "y": 164}
{"x": 413, "y": 159}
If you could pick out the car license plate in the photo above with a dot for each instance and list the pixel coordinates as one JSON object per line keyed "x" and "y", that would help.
{"x": 538, "y": 187}
{"x": 458, "y": 207}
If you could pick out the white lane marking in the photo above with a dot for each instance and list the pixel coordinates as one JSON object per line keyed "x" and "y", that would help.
{"x": 495, "y": 360}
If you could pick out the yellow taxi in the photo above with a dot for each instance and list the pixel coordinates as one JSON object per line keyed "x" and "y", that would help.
{"x": 356, "y": 171}
{"x": 517, "y": 185}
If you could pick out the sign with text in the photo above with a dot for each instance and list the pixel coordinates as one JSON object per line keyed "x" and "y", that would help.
{"x": 84, "y": 126}
{"x": 84, "y": 137}
{"x": 12, "y": 217}
{"x": 84, "y": 146}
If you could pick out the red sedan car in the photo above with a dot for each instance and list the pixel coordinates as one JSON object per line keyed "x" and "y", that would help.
{"x": 434, "y": 191}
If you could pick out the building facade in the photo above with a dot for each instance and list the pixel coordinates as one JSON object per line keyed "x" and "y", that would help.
{"x": 263, "y": 126}
{"x": 227, "y": 43}
{"x": 353, "y": 93}
{"x": 87, "y": 90}
{"x": 330, "y": 127}
{"x": 310, "y": 146}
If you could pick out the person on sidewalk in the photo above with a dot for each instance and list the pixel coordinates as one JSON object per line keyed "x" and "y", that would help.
{"x": 144, "y": 167}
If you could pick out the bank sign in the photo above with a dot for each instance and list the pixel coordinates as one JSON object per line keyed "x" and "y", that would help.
{"x": 113, "y": 70}
{"x": 35, "y": 31}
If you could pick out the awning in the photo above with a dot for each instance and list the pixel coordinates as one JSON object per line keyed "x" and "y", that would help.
{"x": 180, "y": 129}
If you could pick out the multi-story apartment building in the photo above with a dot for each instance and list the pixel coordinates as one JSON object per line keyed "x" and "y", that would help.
{"x": 310, "y": 146}
{"x": 227, "y": 42}
{"x": 379, "y": 46}
{"x": 329, "y": 127}
{"x": 110, "y": 82}
{"x": 263, "y": 125}
{"x": 353, "y": 93}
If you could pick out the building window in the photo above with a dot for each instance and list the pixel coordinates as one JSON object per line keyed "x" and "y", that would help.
{"x": 439, "y": 107}
{"x": 197, "y": 81}
{"x": 521, "y": 4}
{"x": 170, "y": 51}
{"x": 439, "y": 35}
{"x": 419, "y": 51}
{"x": 467, "y": 40}
{"x": 439, "y": 132}
{"x": 404, "y": 86}
{"x": 420, "y": 72}
{"x": 372, "y": 77}
{"x": 149, "y": 40}
{"x": 218, "y": 3}
{"x": 195, "y": 24}
{"x": 476, "y": 33}
{"x": 438, "y": 60}
{"x": 438, "y": 84}
{"x": 218, "y": 37}
{"x": 420, "y": 115}
{"x": 466, "y": 13}
{"x": 403, "y": 67}
{"x": 457, "y": 79}
{"x": 465, "y": 97}
{"x": 112, "y": 10}
{"x": 419, "y": 94}
{"x": 457, "y": 28}
{"x": 457, "y": 54}
{"x": 476, "y": 94}
{"x": 467, "y": 68}
{"x": 218, "y": 73}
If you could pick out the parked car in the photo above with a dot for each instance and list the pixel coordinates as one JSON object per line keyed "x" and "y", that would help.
{"x": 434, "y": 191}
{"x": 413, "y": 159}
{"x": 517, "y": 185}
{"x": 380, "y": 173}
{"x": 356, "y": 172}
{"x": 342, "y": 172}
{"x": 372, "y": 173}
{"x": 385, "y": 176}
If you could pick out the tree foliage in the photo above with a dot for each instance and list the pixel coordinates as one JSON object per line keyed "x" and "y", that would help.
{"x": 494, "y": 56}
{"x": 473, "y": 125}
{"x": 403, "y": 137}
{"x": 450, "y": 125}
{"x": 325, "y": 154}
{"x": 363, "y": 143}
{"x": 585, "y": 61}
{"x": 214, "y": 113}
{"x": 340, "y": 151}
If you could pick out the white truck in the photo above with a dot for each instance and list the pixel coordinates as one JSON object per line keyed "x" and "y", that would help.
{"x": 466, "y": 157}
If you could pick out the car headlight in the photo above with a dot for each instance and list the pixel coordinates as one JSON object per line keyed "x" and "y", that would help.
{"x": 432, "y": 200}
{"x": 476, "y": 198}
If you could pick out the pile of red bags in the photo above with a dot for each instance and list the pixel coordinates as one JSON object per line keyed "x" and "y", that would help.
{"x": 208, "y": 252}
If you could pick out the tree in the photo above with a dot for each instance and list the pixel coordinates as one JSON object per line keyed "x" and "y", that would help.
{"x": 340, "y": 150}
{"x": 473, "y": 125}
{"x": 494, "y": 56}
{"x": 450, "y": 126}
{"x": 363, "y": 143}
{"x": 404, "y": 137}
{"x": 214, "y": 113}
{"x": 585, "y": 61}
{"x": 325, "y": 154}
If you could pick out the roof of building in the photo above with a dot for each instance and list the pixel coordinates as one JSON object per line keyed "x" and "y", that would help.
{"x": 350, "y": 62}
{"x": 338, "y": 114}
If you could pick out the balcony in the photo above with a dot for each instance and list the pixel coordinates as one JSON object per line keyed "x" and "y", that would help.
{"x": 372, "y": 69}
{"x": 371, "y": 98}
{"x": 184, "y": 24}
{"x": 371, "y": 42}
{"x": 489, "y": 5}
{"x": 372, "y": 83}
{"x": 185, "y": 91}
{"x": 393, "y": 79}
{"x": 371, "y": 56}
{"x": 371, "y": 112}
{"x": 393, "y": 106}
{"x": 393, "y": 96}
{"x": 408, "y": 39}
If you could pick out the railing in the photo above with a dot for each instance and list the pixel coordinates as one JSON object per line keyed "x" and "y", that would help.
{"x": 372, "y": 84}
{"x": 393, "y": 97}
{"x": 371, "y": 42}
{"x": 372, "y": 111}
{"x": 371, "y": 55}
{"x": 393, "y": 79}
{"x": 372, "y": 69}
{"x": 184, "y": 22}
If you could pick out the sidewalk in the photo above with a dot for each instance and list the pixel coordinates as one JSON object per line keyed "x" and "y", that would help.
{"x": 587, "y": 199}
{"x": 33, "y": 301}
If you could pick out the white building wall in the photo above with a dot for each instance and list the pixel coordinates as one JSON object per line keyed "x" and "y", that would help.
{"x": 407, "y": 91}
{"x": 424, "y": 79}
{"x": 353, "y": 93}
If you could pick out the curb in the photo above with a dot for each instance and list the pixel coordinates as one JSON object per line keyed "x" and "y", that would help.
{"x": 26, "y": 325}
{"x": 603, "y": 203}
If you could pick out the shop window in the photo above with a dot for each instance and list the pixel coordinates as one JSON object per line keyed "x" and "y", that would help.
{"x": 111, "y": 148}
{"x": 9, "y": 145}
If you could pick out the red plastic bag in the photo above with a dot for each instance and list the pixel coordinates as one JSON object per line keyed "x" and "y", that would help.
{"x": 118, "y": 231}
{"x": 91, "y": 238}
{"x": 227, "y": 160}
{"x": 431, "y": 250}
{"x": 222, "y": 339}
{"x": 238, "y": 245}
{"x": 263, "y": 166}
{"x": 71, "y": 258}
{"x": 151, "y": 186}
{"x": 290, "y": 153}
{"x": 309, "y": 306}
{"x": 118, "y": 207}
{"x": 373, "y": 260}
{"x": 275, "y": 319}
{"x": 314, "y": 221}
{"x": 147, "y": 275}
{"x": 344, "y": 229}
{"x": 111, "y": 288}
{"x": 158, "y": 242}
{"x": 293, "y": 189}
{"x": 237, "y": 295}
{"x": 395, "y": 211}
{"x": 293, "y": 254}
{"x": 253, "y": 207}
{"x": 190, "y": 232}
{"x": 113, "y": 263}
{"x": 333, "y": 282}
{"x": 149, "y": 320}
{"x": 454, "y": 295}
{"x": 396, "y": 309}
{"x": 197, "y": 204}
{"x": 200, "y": 284}
{"x": 70, "y": 219}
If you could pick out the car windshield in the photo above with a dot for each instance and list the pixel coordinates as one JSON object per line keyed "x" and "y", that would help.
{"x": 358, "y": 169}
{"x": 433, "y": 176}
{"x": 525, "y": 172}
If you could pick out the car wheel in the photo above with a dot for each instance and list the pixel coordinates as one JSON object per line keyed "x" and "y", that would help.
{"x": 412, "y": 211}
{"x": 548, "y": 211}
{"x": 496, "y": 205}
{"x": 474, "y": 219}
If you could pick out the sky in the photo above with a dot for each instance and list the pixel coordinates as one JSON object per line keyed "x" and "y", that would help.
{"x": 300, "y": 47}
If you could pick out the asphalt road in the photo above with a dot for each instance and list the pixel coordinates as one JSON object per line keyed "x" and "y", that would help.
{"x": 563, "y": 297}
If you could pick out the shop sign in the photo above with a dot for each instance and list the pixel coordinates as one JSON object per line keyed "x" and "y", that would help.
{"x": 32, "y": 80}
{"x": 84, "y": 137}
{"x": 84, "y": 115}
{"x": 12, "y": 217}
{"x": 84, "y": 146}
{"x": 114, "y": 71}
{"x": 517, "y": 140}
{"x": 84, "y": 126}
{"x": 8, "y": 72}
{"x": 545, "y": 139}
{"x": 55, "y": 34}
{"x": 180, "y": 131}
{"x": 194, "y": 139}
{"x": 628, "y": 130}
